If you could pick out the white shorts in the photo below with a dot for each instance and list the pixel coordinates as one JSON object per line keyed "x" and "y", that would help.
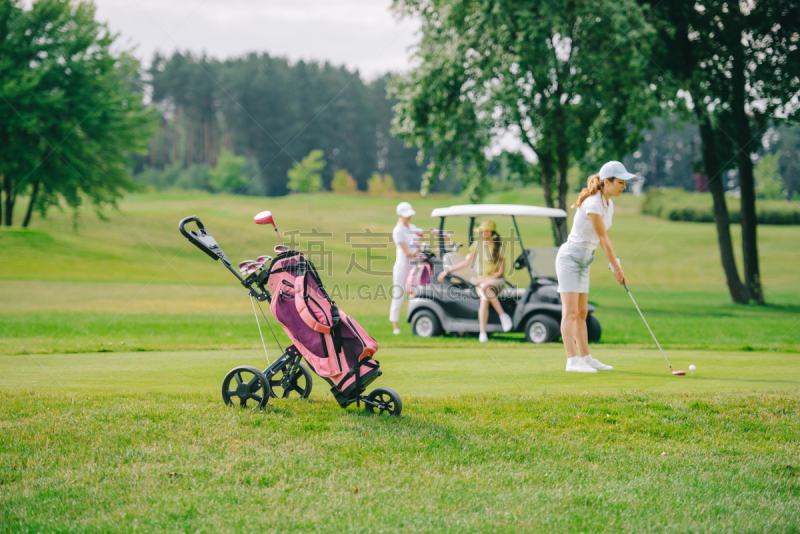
{"x": 572, "y": 268}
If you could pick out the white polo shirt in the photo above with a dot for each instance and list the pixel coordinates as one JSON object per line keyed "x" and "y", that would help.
{"x": 401, "y": 234}
{"x": 582, "y": 234}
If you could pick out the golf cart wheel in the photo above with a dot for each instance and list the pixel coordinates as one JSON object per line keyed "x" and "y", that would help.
{"x": 246, "y": 387}
{"x": 593, "y": 329}
{"x": 541, "y": 329}
{"x": 426, "y": 324}
{"x": 300, "y": 384}
{"x": 388, "y": 401}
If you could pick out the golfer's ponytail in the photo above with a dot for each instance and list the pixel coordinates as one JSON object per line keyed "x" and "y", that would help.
{"x": 593, "y": 185}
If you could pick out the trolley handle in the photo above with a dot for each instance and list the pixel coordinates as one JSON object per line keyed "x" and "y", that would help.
{"x": 189, "y": 219}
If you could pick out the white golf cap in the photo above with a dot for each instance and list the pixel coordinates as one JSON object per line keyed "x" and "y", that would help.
{"x": 615, "y": 169}
{"x": 404, "y": 209}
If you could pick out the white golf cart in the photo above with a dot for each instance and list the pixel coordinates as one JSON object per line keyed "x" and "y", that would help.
{"x": 452, "y": 305}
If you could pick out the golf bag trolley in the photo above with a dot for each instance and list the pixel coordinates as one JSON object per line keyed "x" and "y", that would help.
{"x": 332, "y": 343}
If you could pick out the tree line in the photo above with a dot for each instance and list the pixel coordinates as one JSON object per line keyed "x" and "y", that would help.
{"x": 275, "y": 113}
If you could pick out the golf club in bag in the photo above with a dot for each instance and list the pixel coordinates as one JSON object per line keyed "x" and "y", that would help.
{"x": 611, "y": 268}
{"x": 332, "y": 343}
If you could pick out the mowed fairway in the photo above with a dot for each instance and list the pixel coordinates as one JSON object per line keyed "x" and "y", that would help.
{"x": 115, "y": 337}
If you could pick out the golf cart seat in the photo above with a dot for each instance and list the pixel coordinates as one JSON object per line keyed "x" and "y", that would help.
{"x": 512, "y": 292}
{"x": 454, "y": 258}
{"x": 541, "y": 260}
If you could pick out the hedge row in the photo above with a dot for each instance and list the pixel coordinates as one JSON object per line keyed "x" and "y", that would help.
{"x": 679, "y": 205}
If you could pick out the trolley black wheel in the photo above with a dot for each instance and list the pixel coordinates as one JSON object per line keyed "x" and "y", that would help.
{"x": 300, "y": 384}
{"x": 246, "y": 387}
{"x": 388, "y": 401}
{"x": 593, "y": 329}
{"x": 542, "y": 329}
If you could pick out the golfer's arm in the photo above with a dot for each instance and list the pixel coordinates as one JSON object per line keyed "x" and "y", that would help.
{"x": 600, "y": 227}
{"x": 409, "y": 254}
{"x": 461, "y": 265}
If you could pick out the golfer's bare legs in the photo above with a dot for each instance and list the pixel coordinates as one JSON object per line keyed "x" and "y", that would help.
{"x": 483, "y": 314}
{"x": 570, "y": 322}
{"x": 488, "y": 294}
{"x": 581, "y": 334}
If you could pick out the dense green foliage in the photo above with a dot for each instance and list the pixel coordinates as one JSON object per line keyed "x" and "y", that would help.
{"x": 70, "y": 108}
{"x": 677, "y": 205}
{"x": 539, "y": 71}
{"x": 276, "y": 112}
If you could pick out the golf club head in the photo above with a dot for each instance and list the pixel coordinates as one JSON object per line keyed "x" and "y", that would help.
{"x": 253, "y": 267}
{"x": 244, "y": 267}
{"x": 265, "y": 217}
{"x": 263, "y": 259}
{"x": 280, "y": 249}
{"x": 681, "y": 373}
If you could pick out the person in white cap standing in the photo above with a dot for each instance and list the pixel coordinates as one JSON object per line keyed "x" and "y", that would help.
{"x": 403, "y": 239}
{"x": 589, "y": 229}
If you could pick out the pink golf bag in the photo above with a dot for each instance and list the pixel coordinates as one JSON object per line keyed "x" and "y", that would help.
{"x": 331, "y": 342}
{"x": 418, "y": 276}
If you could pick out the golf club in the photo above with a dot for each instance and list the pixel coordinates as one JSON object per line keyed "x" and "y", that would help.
{"x": 611, "y": 268}
{"x": 265, "y": 217}
{"x": 244, "y": 267}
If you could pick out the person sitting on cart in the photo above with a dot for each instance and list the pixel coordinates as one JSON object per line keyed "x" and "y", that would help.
{"x": 485, "y": 254}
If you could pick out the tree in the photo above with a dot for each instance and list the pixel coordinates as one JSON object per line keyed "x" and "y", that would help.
{"x": 543, "y": 71}
{"x": 343, "y": 183}
{"x": 228, "y": 175}
{"x": 740, "y": 65}
{"x": 69, "y": 106}
{"x": 304, "y": 176}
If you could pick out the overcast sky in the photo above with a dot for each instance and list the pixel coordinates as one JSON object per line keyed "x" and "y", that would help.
{"x": 361, "y": 34}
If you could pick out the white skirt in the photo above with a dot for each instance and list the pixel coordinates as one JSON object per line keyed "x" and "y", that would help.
{"x": 572, "y": 268}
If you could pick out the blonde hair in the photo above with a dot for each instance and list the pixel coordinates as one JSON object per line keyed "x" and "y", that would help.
{"x": 593, "y": 185}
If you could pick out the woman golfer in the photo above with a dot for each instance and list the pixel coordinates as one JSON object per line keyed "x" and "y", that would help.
{"x": 485, "y": 254}
{"x": 589, "y": 229}
{"x": 404, "y": 241}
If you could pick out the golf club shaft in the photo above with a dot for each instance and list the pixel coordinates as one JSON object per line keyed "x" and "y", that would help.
{"x": 279, "y": 234}
{"x": 647, "y": 325}
{"x": 253, "y": 302}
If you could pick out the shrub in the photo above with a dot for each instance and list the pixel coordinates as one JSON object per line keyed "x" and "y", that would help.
{"x": 344, "y": 183}
{"x": 679, "y": 205}
{"x": 304, "y": 177}
{"x": 228, "y": 175}
{"x": 768, "y": 179}
{"x": 381, "y": 185}
{"x": 194, "y": 177}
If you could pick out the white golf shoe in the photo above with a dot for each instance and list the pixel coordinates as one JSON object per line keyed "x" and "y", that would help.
{"x": 396, "y": 331}
{"x": 591, "y": 362}
{"x": 505, "y": 320}
{"x": 576, "y": 365}
{"x": 483, "y": 338}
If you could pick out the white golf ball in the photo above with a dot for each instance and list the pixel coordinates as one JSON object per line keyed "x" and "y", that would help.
{"x": 692, "y": 368}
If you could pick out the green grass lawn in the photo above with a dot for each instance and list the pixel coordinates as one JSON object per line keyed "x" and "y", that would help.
{"x": 115, "y": 336}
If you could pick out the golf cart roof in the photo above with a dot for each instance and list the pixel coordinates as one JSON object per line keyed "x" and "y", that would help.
{"x": 475, "y": 210}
